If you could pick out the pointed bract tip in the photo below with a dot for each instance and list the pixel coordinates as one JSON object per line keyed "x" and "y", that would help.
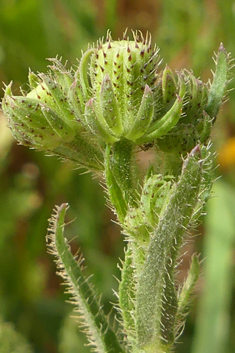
{"x": 221, "y": 47}
{"x": 89, "y": 104}
{"x": 62, "y": 207}
{"x": 195, "y": 150}
{"x": 106, "y": 78}
{"x": 8, "y": 89}
{"x": 147, "y": 90}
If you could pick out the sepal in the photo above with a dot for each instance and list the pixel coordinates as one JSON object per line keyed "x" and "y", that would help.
{"x": 162, "y": 126}
{"x": 109, "y": 106}
{"x": 220, "y": 81}
{"x": 143, "y": 117}
{"x": 169, "y": 86}
{"x": 50, "y": 92}
{"x": 97, "y": 126}
{"x": 34, "y": 80}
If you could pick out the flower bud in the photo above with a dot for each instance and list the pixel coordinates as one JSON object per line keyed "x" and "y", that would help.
{"x": 43, "y": 118}
{"x": 194, "y": 125}
{"x": 47, "y": 118}
{"x": 200, "y": 106}
{"x": 28, "y": 122}
{"x": 122, "y": 79}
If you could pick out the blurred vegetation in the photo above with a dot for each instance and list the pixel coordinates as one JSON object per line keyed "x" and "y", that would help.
{"x": 32, "y": 302}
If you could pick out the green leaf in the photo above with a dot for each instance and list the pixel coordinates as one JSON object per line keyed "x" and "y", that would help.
{"x": 89, "y": 308}
{"x": 155, "y": 296}
{"x": 188, "y": 287}
{"x": 127, "y": 297}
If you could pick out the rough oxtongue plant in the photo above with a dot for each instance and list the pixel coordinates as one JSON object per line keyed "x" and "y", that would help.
{"x": 117, "y": 102}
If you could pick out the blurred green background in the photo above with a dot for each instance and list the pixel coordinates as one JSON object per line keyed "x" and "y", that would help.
{"x": 32, "y": 302}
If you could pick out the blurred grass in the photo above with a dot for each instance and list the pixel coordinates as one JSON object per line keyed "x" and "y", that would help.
{"x": 214, "y": 309}
{"x": 31, "y": 298}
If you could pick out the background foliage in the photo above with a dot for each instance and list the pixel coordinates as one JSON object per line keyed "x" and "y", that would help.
{"x": 32, "y": 306}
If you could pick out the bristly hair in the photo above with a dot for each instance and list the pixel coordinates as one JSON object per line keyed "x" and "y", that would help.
{"x": 92, "y": 319}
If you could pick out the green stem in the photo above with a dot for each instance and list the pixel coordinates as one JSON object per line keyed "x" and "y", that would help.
{"x": 172, "y": 164}
{"x": 119, "y": 177}
{"x": 121, "y": 165}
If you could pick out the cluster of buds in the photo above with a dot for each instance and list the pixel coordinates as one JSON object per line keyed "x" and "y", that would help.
{"x": 117, "y": 99}
{"x": 117, "y": 93}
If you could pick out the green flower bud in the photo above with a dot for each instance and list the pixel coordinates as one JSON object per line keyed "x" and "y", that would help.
{"x": 124, "y": 86}
{"x": 117, "y": 94}
{"x": 140, "y": 222}
{"x": 47, "y": 118}
{"x": 122, "y": 81}
{"x": 200, "y": 106}
{"x": 194, "y": 125}
{"x": 29, "y": 123}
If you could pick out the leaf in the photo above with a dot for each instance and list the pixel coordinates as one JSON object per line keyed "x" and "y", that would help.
{"x": 156, "y": 295}
{"x": 89, "y": 308}
{"x": 126, "y": 297}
